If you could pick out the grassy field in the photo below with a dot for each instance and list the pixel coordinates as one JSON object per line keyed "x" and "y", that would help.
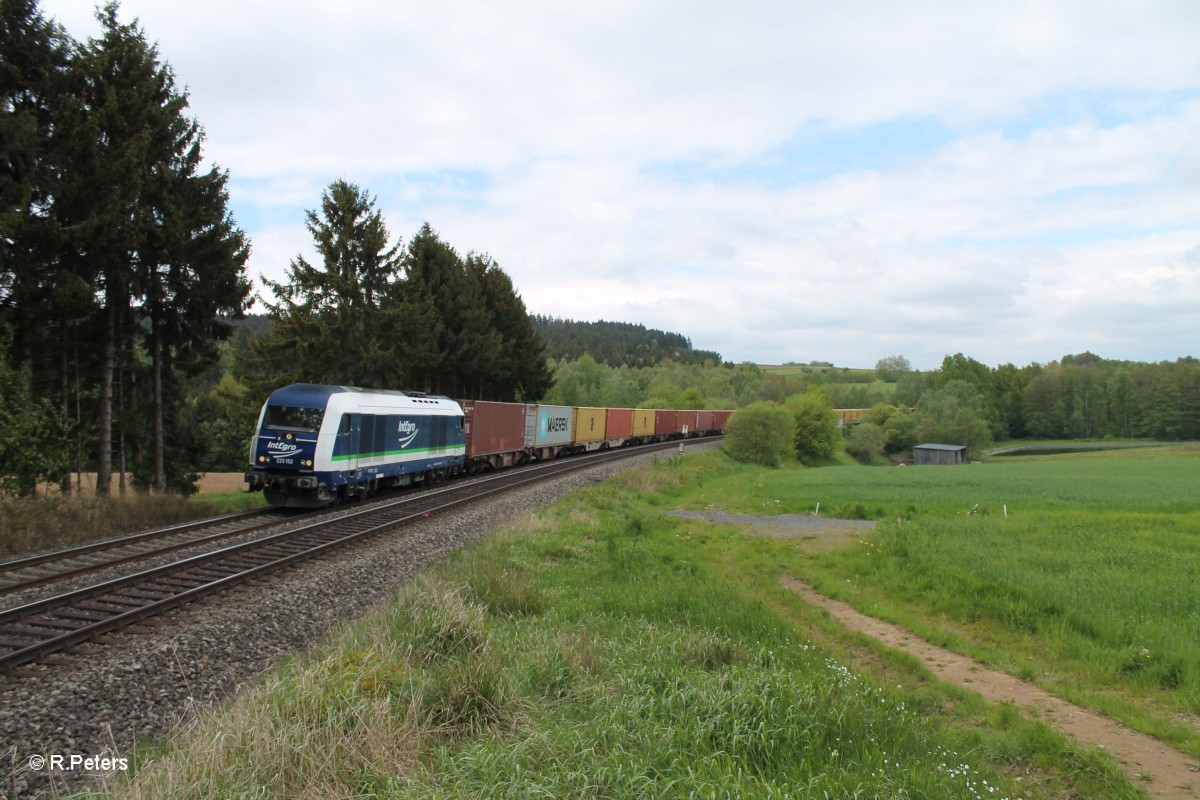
{"x": 604, "y": 649}
{"x": 1079, "y": 572}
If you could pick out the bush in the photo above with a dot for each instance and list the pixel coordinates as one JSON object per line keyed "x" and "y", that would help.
{"x": 816, "y": 430}
{"x": 760, "y": 433}
{"x": 866, "y": 442}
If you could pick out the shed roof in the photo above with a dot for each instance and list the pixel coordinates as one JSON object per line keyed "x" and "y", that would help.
{"x": 940, "y": 447}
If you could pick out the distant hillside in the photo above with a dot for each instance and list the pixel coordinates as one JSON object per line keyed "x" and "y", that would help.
{"x": 616, "y": 343}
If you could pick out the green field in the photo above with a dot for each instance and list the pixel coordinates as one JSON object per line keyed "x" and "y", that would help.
{"x": 842, "y": 374}
{"x": 603, "y": 649}
{"x": 1088, "y": 585}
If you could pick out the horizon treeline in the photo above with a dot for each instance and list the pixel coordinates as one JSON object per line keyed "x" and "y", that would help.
{"x": 1084, "y": 396}
{"x": 618, "y": 344}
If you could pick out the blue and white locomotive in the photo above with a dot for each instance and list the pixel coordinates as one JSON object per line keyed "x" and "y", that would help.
{"x": 316, "y": 445}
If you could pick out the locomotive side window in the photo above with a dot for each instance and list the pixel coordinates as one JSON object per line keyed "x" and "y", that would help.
{"x": 345, "y": 425}
{"x": 293, "y": 418}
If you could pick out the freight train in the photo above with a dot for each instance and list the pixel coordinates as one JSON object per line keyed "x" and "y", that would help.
{"x": 317, "y": 445}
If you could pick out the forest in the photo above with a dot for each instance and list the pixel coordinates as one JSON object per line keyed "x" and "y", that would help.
{"x": 617, "y": 343}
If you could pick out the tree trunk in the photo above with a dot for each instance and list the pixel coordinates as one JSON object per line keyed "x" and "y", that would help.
{"x": 160, "y": 478}
{"x": 64, "y": 483}
{"x": 104, "y": 454}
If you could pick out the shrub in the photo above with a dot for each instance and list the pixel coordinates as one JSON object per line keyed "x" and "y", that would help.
{"x": 760, "y": 433}
{"x": 866, "y": 442}
{"x": 815, "y": 425}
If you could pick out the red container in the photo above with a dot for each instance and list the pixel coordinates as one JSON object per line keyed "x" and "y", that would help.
{"x": 619, "y": 424}
{"x": 721, "y": 419}
{"x": 685, "y": 422}
{"x": 704, "y": 421}
{"x": 664, "y": 423}
{"x": 493, "y": 428}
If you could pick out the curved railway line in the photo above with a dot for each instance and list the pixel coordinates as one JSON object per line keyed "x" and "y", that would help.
{"x": 22, "y": 574}
{"x": 31, "y": 632}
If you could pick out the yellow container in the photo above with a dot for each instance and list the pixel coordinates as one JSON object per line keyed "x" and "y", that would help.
{"x": 589, "y": 424}
{"x": 643, "y": 422}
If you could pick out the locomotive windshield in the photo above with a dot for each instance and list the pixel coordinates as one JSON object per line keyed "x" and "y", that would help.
{"x": 293, "y": 418}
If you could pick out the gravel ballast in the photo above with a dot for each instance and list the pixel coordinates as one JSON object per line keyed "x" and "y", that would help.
{"x": 142, "y": 685}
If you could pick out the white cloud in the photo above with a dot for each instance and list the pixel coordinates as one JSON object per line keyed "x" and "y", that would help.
{"x": 1062, "y": 189}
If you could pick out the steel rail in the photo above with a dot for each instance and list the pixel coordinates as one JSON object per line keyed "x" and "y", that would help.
{"x": 186, "y": 591}
{"x": 103, "y": 544}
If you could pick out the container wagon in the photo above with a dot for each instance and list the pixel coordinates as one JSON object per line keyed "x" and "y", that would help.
{"x": 550, "y": 429}
{"x": 618, "y": 425}
{"x": 496, "y": 434}
{"x": 590, "y": 424}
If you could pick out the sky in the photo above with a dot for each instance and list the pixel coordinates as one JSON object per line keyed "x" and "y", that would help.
{"x": 778, "y": 181}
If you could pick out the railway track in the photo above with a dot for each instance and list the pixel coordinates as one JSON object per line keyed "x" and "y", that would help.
{"x": 34, "y": 631}
{"x": 21, "y": 574}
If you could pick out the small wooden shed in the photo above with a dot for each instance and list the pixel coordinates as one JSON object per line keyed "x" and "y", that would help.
{"x": 939, "y": 454}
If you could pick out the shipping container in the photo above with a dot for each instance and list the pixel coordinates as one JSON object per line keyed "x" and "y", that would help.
{"x": 685, "y": 423}
{"x": 721, "y": 419}
{"x": 643, "y": 422}
{"x": 618, "y": 425}
{"x": 705, "y": 422}
{"x": 552, "y": 425}
{"x": 589, "y": 427}
{"x": 495, "y": 432}
{"x": 664, "y": 423}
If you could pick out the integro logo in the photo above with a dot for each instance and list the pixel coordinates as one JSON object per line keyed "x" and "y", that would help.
{"x": 282, "y": 449}
{"x": 408, "y": 431}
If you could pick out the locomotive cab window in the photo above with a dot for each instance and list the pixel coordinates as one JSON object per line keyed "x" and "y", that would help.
{"x": 293, "y": 418}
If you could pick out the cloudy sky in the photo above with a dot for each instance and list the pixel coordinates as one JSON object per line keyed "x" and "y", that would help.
{"x": 779, "y": 181}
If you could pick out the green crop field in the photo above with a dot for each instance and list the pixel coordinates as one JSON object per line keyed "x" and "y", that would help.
{"x": 602, "y": 648}
{"x": 1077, "y": 571}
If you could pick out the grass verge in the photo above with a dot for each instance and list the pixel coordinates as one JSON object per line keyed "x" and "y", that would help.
{"x": 601, "y": 649}
{"x": 29, "y": 525}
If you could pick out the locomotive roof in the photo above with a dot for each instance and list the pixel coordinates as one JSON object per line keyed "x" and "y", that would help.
{"x": 316, "y": 394}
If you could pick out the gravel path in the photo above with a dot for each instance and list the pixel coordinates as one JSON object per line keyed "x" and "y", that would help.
{"x": 140, "y": 687}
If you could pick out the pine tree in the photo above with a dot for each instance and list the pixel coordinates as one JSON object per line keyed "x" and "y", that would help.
{"x": 520, "y": 372}
{"x": 327, "y": 317}
{"x": 467, "y": 343}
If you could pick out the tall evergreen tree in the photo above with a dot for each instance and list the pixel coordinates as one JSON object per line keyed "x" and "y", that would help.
{"x": 467, "y": 344}
{"x": 155, "y": 226}
{"x": 327, "y": 316}
{"x": 520, "y": 372}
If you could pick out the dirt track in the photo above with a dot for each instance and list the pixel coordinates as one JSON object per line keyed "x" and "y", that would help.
{"x": 1164, "y": 771}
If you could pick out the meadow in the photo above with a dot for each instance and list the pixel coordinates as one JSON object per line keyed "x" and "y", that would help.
{"x": 601, "y": 648}
{"x": 1078, "y": 571}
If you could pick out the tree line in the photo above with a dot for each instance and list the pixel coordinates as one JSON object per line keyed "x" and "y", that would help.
{"x": 118, "y": 253}
{"x": 1083, "y": 396}
{"x": 380, "y": 314}
{"x": 617, "y": 344}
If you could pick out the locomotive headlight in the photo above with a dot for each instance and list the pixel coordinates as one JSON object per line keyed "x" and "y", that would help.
{"x": 308, "y": 462}
{"x": 261, "y": 459}
{"x": 288, "y": 436}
